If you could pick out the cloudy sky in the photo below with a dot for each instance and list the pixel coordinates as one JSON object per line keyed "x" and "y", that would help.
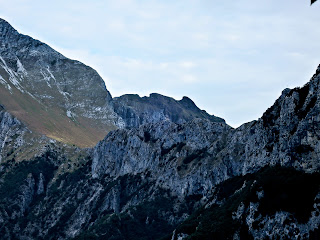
{"x": 233, "y": 58}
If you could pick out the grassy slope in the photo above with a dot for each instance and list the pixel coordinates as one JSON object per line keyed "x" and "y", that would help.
{"x": 52, "y": 122}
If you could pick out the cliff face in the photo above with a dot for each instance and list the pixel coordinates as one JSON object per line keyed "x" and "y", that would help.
{"x": 281, "y": 200}
{"x": 191, "y": 159}
{"x": 286, "y": 135}
{"x": 12, "y": 133}
{"x": 176, "y": 157}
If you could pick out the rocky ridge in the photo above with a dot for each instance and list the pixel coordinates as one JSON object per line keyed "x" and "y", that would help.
{"x": 171, "y": 171}
{"x": 285, "y": 135}
{"x": 176, "y": 157}
{"x": 136, "y": 111}
{"x": 67, "y": 100}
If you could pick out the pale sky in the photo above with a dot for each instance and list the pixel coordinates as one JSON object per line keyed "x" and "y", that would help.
{"x": 233, "y": 58}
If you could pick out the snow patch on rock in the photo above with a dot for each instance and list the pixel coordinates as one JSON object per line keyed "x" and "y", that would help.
{"x": 21, "y": 68}
{"x": 13, "y": 77}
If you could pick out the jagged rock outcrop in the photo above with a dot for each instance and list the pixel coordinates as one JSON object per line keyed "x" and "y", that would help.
{"x": 40, "y": 188}
{"x": 12, "y": 134}
{"x": 136, "y": 111}
{"x": 176, "y": 156}
{"x": 286, "y": 135}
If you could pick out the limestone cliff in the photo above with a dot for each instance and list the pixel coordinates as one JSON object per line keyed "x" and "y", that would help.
{"x": 167, "y": 170}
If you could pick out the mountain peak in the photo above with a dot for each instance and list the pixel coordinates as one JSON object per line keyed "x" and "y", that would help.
{"x": 56, "y": 96}
{"x": 6, "y": 29}
{"x": 4, "y": 23}
{"x": 187, "y": 102}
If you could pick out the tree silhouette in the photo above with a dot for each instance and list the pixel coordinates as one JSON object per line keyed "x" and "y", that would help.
{"x": 313, "y": 1}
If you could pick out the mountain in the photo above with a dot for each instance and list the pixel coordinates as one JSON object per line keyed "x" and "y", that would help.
{"x": 258, "y": 181}
{"x": 136, "y": 111}
{"x": 65, "y": 99}
{"x": 164, "y": 168}
{"x": 61, "y": 98}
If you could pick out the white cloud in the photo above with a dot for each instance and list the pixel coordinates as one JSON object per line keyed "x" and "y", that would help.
{"x": 187, "y": 64}
{"x": 188, "y": 78}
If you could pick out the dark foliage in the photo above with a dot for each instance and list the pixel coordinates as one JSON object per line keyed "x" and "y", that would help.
{"x": 16, "y": 177}
{"x": 143, "y": 222}
{"x": 147, "y": 136}
{"x": 165, "y": 151}
{"x": 303, "y": 94}
{"x": 285, "y": 189}
{"x": 288, "y": 190}
{"x": 10, "y": 189}
{"x": 198, "y": 154}
{"x": 271, "y": 115}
